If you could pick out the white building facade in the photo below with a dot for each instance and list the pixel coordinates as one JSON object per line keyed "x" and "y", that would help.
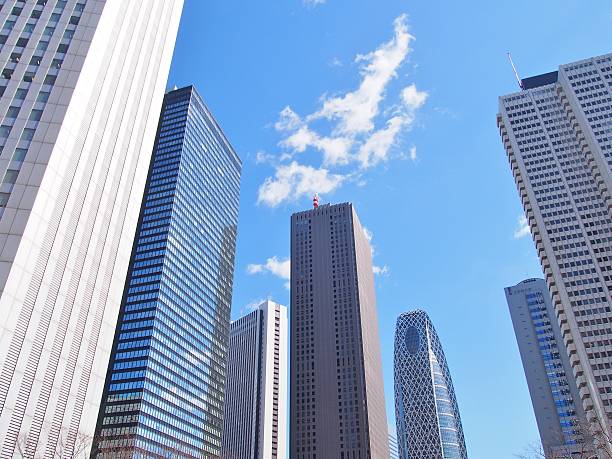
{"x": 557, "y": 133}
{"x": 255, "y": 413}
{"x": 81, "y": 90}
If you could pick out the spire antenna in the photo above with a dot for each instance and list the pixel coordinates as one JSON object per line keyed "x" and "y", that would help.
{"x": 315, "y": 200}
{"x": 516, "y": 74}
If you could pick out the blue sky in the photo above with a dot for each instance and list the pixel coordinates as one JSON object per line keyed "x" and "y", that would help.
{"x": 391, "y": 105}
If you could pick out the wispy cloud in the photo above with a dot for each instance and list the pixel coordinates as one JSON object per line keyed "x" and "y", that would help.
{"x": 297, "y": 180}
{"x": 413, "y": 153}
{"x": 280, "y": 268}
{"x": 251, "y": 306}
{"x": 335, "y": 62}
{"x": 352, "y": 132}
{"x": 355, "y": 111}
{"x": 261, "y": 157}
{"x": 381, "y": 270}
{"x": 522, "y": 229}
{"x": 313, "y": 3}
{"x": 378, "y": 270}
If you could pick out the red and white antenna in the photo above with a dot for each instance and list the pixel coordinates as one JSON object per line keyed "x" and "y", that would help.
{"x": 315, "y": 200}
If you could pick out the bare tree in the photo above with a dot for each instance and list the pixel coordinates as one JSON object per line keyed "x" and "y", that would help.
{"x": 26, "y": 448}
{"x": 595, "y": 443}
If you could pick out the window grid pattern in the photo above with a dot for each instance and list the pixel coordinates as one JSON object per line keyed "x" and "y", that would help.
{"x": 31, "y": 87}
{"x": 393, "y": 448}
{"x": 558, "y": 140}
{"x": 165, "y": 384}
{"x": 552, "y": 388}
{"x": 252, "y": 397}
{"x": 330, "y": 371}
{"x": 243, "y": 389}
{"x": 427, "y": 415}
{"x": 555, "y": 373}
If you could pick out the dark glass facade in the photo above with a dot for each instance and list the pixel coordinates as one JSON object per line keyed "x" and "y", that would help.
{"x": 164, "y": 389}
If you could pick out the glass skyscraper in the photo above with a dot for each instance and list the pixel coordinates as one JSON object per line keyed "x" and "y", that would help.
{"x": 393, "y": 447}
{"x": 554, "y": 395}
{"x": 427, "y": 415}
{"x": 81, "y": 86}
{"x": 164, "y": 390}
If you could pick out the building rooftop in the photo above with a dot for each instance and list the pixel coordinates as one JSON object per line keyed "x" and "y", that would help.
{"x": 540, "y": 80}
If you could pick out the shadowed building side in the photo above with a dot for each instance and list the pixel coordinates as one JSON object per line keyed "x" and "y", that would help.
{"x": 255, "y": 412}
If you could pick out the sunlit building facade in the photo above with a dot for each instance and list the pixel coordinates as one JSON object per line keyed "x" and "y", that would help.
{"x": 81, "y": 86}
{"x": 426, "y": 411}
{"x": 255, "y": 421}
{"x": 557, "y": 132}
{"x": 164, "y": 390}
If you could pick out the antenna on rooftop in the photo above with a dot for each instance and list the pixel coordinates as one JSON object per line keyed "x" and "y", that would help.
{"x": 518, "y": 78}
{"x": 315, "y": 200}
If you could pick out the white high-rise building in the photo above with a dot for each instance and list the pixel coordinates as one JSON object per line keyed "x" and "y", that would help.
{"x": 255, "y": 424}
{"x": 557, "y": 133}
{"x": 81, "y": 89}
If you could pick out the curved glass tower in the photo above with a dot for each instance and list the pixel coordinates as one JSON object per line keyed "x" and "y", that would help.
{"x": 428, "y": 421}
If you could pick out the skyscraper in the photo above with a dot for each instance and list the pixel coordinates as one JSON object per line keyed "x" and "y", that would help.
{"x": 426, "y": 411}
{"x": 393, "y": 447}
{"x": 80, "y": 89}
{"x": 337, "y": 393}
{"x": 554, "y": 395}
{"x": 557, "y": 134}
{"x": 165, "y": 383}
{"x": 255, "y": 423}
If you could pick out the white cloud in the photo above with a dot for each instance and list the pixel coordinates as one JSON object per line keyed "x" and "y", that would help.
{"x": 523, "y": 228}
{"x": 413, "y": 153}
{"x": 376, "y": 148}
{"x": 352, "y": 129}
{"x": 314, "y": 2}
{"x": 355, "y": 111}
{"x": 381, "y": 270}
{"x": 288, "y": 120}
{"x": 255, "y": 269}
{"x": 413, "y": 98}
{"x": 294, "y": 180}
{"x": 335, "y": 149}
{"x": 377, "y": 270}
{"x": 369, "y": 236}
{"x": 280, "y": 268}
{"x": 251, "y": 306}
{"x": 261, "y": 157}
{"x": 335, "y": 62}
